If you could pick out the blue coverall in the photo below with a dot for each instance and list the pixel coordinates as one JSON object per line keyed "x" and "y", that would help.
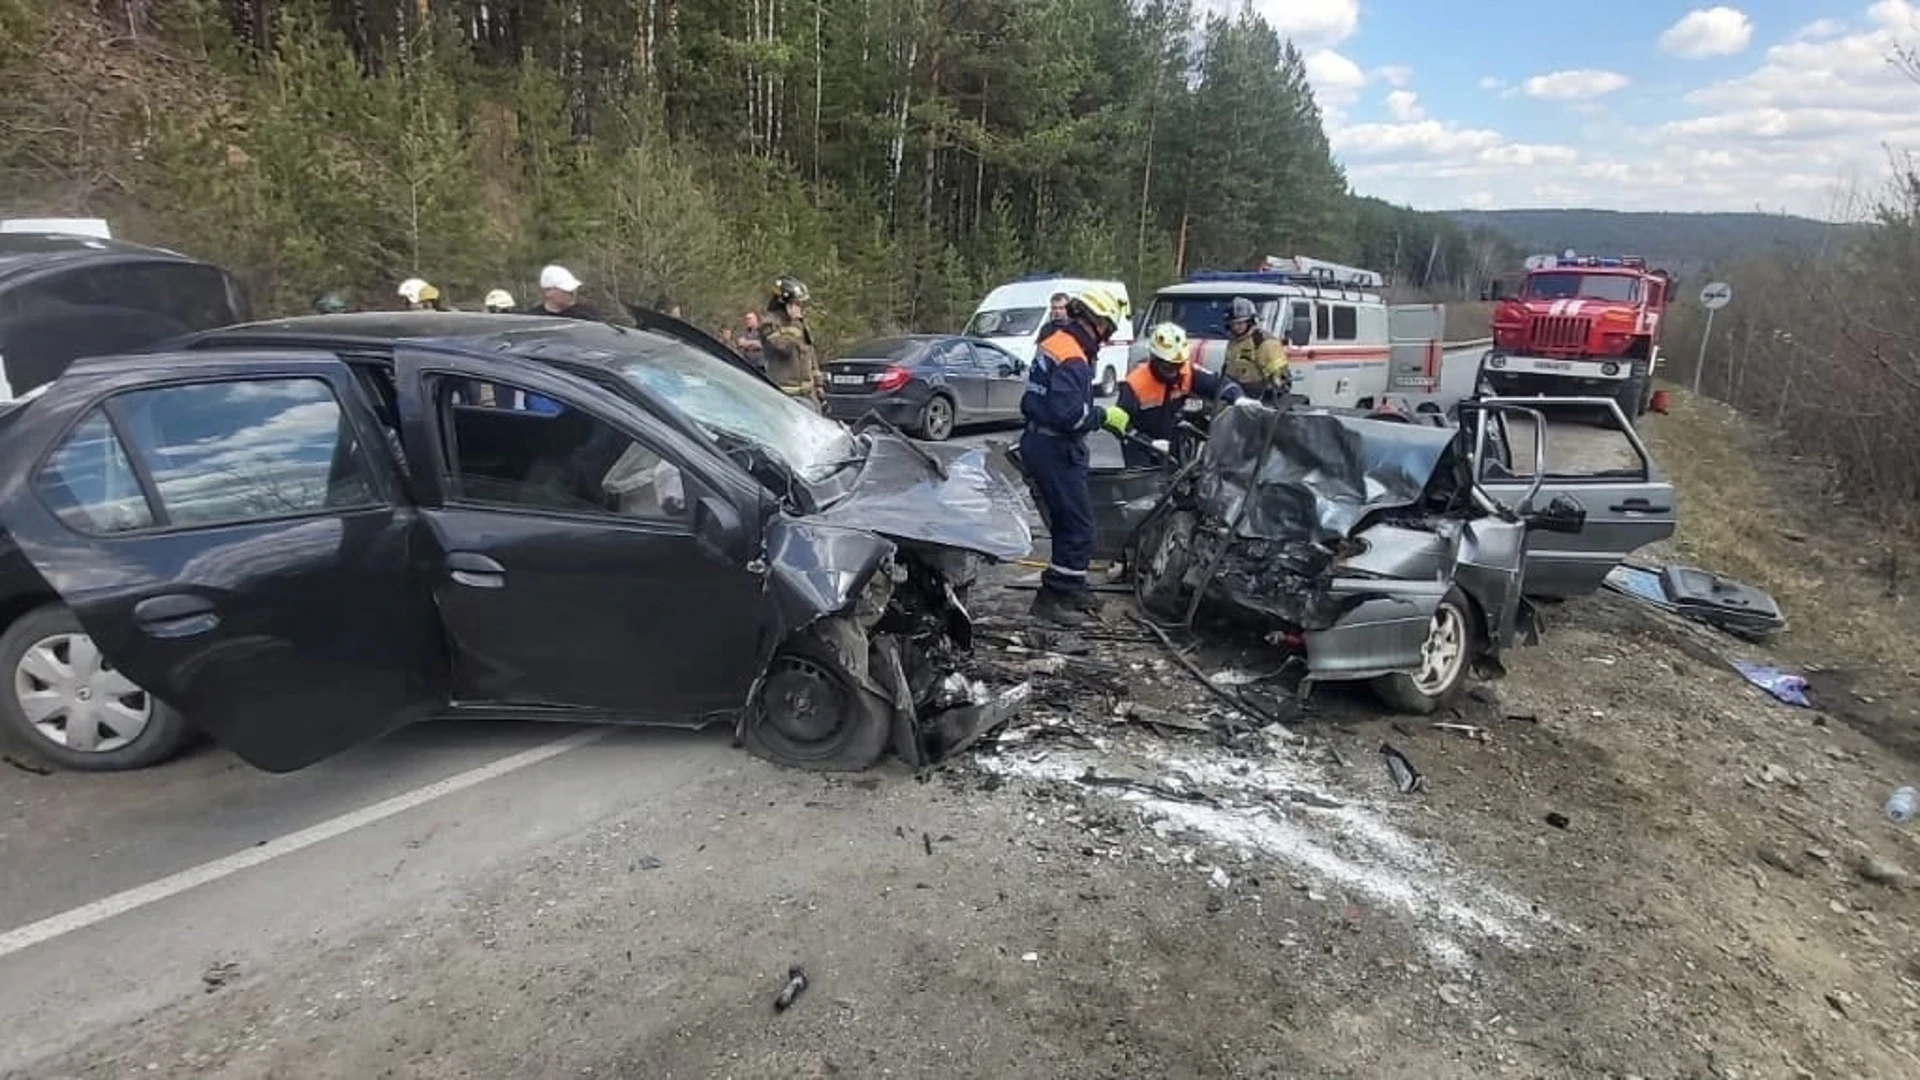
{"x": 1059, "y": 410}
{"x": 1154, "y": 406}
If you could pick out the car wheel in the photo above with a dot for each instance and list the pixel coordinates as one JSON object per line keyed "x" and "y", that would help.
{"x": 66, "y": 706}
{"x": 1109, "y": 381}
{"x": 1445, "y": 658}
{"x": 1160, "y": 569}
{"x": 809, "y": 713}
{"x": 936, "y": 418}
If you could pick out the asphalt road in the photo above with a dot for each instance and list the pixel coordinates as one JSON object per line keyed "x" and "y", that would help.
{"x": 118, "y": 890}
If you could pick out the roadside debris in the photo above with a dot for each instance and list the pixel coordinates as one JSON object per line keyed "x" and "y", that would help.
{"x": 796, "y": 982}
{"x": 1783, "y": 685}
{"x": 1557, "y": 819}
{"x": 1230, "y": 696}
{"x": 1901, "y": 804}
{"x": 1703, "y": 596}
{"x": 26, "y": 766}
{"x": 1471, "y": 731}
{"x": 1881, "y": 871}
{"x": 220, "y": 974}
{"x": 1405, "y": 776}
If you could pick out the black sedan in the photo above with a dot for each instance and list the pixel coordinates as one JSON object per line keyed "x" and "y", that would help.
{"x": 927, "y": 383}
{"x": 301, "y": 534}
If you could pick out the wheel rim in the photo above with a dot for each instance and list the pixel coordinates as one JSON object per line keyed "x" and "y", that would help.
{"x": 803, "y": 708}
{"x": 939, "y": 418}
{"x": 74, "y": 699}
{"x": 1444, "y": 652}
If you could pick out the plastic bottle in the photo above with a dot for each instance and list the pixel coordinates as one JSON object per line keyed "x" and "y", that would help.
{"x": 1902, "y": 804}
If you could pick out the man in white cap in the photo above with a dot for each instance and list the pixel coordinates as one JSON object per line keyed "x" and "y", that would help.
{"x": 559, "y": 295}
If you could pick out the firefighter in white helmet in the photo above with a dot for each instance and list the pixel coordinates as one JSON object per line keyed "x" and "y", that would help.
{"x": 499, "y": 302}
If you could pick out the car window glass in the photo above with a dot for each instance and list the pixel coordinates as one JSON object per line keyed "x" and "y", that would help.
{"x": 1321, "y": 330}
{"x": 257, "y": 448}
{"x": 90, "y": 485}
{"x": 956, "y": 358}
{"x": 531, "y": 452}
{"x": 994, "y": 361}
{"x": 1005, "y": 322}
{"x": 1576, "y": 448}
{"x": 1204, "y": 316}
{"x": 1346, "y": 323}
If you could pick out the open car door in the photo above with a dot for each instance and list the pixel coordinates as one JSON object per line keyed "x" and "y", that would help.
{"x": 1606, "y": 469}
{"x": 228, "y": 531}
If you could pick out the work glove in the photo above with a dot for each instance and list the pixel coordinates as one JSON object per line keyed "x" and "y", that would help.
{"x": 1116, "y": 420}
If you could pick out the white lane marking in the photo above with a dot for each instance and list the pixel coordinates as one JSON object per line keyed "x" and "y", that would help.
{"x": 140, "y": 896}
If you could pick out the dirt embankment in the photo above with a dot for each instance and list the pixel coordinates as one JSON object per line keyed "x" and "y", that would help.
{"x": 1645, "y": 868}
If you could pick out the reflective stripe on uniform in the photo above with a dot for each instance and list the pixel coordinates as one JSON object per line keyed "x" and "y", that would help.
{"x": 1065, "y": 570}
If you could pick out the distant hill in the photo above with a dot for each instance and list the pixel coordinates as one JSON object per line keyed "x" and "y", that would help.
{"x": 1679, "y": 242}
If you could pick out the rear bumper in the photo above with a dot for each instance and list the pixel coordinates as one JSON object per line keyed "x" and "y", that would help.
{"x": 894, "y": 408}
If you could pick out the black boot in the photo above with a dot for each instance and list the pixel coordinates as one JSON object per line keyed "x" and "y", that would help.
{"x": 1085, "y": 601}
{"x": 1056, "y": 607}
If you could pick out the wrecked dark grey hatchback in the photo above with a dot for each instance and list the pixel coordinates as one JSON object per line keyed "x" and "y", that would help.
{"x": 305, "y": 533}
{"x": 1402, "y": 553}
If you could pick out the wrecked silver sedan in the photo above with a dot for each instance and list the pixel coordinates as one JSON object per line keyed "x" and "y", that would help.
{"x": 1401, "y": 553}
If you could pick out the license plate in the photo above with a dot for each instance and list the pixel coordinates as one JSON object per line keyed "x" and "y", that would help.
{"x": 1553, "y": 365}
{"x": 849, "y": 380}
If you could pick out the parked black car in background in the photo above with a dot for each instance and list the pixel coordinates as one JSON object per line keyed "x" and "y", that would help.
{"x": 928, "y": 384}
{"x": 63, "y": 297}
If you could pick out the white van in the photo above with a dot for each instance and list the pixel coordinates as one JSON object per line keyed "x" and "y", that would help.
{"x": 1345, "y": 345}
{"x": 1013, "y": 315}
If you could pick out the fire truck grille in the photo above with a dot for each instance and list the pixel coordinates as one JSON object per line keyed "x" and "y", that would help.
{"x": 1560, "y": 333}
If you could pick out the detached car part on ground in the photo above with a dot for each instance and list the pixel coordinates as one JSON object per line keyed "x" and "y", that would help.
{"x": 1398, "y": 551}
{"x": 303, "y": 534}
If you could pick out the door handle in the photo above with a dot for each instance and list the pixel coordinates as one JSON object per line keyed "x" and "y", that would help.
{"x": 476, "y": 570}
{"x": 1638, "y": 505}
{"x": 176, "y": 615}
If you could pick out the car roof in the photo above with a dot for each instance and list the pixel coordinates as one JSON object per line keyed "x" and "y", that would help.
{"x": 532, "y": 336}
{"x": 892, "y": 346}
{"x": 23, "y": 253}
{"x": 1035, "y": 291}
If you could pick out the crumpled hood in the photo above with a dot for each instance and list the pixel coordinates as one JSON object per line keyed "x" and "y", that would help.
{"x": 1313, "y": 477}
{"x": 975, "y": 508}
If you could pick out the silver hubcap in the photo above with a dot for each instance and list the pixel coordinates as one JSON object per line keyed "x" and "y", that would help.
{"x": 73, "y": 698}
{"x": 939, "y": 417}
{"x": 1444, "y": 652}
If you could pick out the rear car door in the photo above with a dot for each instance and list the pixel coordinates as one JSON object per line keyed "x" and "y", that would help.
{"x": 594, "y": 561}
{"x": 965, "y": 376}
{"x": 1413, "y": 346}
{"x": 231, "y": 536}
{"x": 1605, "y": 468}
{"x": 1006, "y": 380}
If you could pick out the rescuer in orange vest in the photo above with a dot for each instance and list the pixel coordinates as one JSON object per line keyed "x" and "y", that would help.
{"x": 1157, "y": 391}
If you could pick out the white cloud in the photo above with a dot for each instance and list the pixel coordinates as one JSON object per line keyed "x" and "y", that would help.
{"x": 1704, "y": 32}
{"x": 1576, "y": 85}
{"x": 1307, "y": 22}
{"x": 1337, "y": 81}
{"x": 1404, "y": 106}
{"x": 1820, "y": 29}
{"x": 1490, "y": 82}
{"x": 1395, "y": 74}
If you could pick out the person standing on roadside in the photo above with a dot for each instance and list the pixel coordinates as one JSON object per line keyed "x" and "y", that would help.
{"x": 787, "y": 346}
{"x": 747, "y": 341}
{"x": 1059, "y": 410}
{"x": 560, "y": 296}
{"x": 1057, "y": 307}
{"x": 499, "y": 302}
{"x": 1254, "y": 360}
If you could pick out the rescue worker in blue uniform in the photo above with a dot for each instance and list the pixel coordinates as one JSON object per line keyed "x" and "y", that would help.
{"x": 1158, "y": 391}
{"x": 1059, "y": 410}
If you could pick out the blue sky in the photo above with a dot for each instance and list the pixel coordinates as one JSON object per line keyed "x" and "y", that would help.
{"x": 1642, "y": 104}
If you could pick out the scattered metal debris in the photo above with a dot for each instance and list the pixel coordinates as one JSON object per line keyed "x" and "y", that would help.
{"x": 796, "y": 982}
{"x": 220, "y": 974}
{"x": 1703, "y": 596}
{"x": 1405, "y": 776}
{"x": 1231, "y": 697}
{"x": 1557, "y": 819}
{"x": 1471, "y": 731}
{"x": 26, "y": 766}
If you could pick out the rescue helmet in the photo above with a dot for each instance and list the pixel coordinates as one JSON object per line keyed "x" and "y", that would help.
{"x": 1241, "y": 310}
{"x": 428, "y": 297}
{"x": 787, "y": 289}
{"x": 411, "y": 289}
{"x": 1168, "y": 344}
{"x": 499, "y": 301}
{"x": 330, "y": 304}
{"x": 1098, "y": 303}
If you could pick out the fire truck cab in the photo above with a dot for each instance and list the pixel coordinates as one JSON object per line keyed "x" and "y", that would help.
{"x": 1578, "y": 326}
{"x": 1347, "y": 347}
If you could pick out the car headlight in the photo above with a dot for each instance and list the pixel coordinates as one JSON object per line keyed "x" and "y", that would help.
{"x": 1496, "y": 361}
{"x": 1609, "y": 369}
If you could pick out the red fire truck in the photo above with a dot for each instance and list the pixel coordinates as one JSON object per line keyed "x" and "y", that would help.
{"x": 1579, "y": 326}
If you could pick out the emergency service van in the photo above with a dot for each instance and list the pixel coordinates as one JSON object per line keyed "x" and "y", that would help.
{"x": 1013, "y": 315}
{"x": 1346, "y": 346}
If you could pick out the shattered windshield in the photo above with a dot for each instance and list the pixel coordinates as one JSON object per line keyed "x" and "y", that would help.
{"x": 1006, "y": 322}
{"x": 726, "y": 400}
{"x": 1570, "y": 286}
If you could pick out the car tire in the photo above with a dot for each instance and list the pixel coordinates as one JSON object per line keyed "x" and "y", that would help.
{"x": 1447, "y": 656}
{"x": 809, "y": 712}
{"x": 1159, "y": 566}
{"x": 936, "y": 419}
{"x": 130, "y": 729}
{"x": 1109, "y": 381}
{"x": 1631, "y": 397}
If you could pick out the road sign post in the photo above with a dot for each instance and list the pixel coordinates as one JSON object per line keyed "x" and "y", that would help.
{"x": 1714, "y": 296}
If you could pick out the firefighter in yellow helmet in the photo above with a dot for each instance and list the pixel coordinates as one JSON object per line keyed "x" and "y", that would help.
{"x": 1059, "y": 410}
{"x": 1254, "y": 360}
{"x": 787, "y": 344}
{"x": 1155, "y": 393}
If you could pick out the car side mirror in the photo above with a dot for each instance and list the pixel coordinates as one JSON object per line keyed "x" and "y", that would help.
{"x": 1299, "y": 332}
{"x": 1562, "y": 514}
{"x": 717, "y": 527}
